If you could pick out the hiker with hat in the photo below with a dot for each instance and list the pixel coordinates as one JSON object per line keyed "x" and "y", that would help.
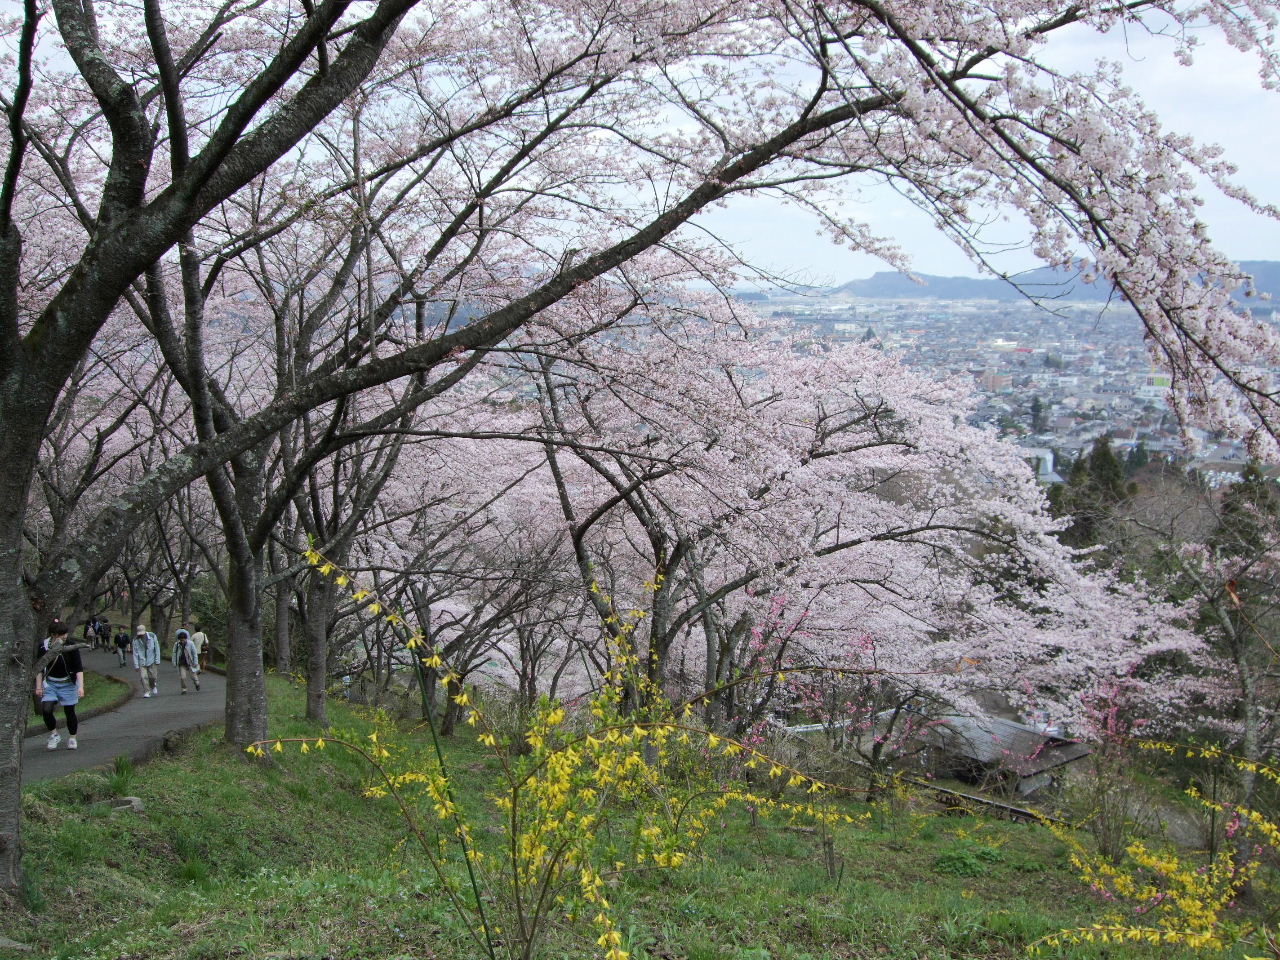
{"x": 60, "y": 681}
{"x": 146, "y": 659}
{"x": 187, "y": 660}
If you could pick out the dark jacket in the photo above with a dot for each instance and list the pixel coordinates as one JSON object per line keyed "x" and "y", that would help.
{"x": 64, "y": 666}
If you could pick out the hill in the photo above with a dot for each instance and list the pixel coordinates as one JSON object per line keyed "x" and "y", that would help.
{"x": 1043, "y": 282}
{"x": 290, "y": 858}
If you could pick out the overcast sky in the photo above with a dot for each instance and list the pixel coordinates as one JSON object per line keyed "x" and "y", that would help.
{"x": 1218, "y": 100}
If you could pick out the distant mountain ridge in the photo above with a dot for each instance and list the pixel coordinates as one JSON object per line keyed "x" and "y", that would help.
{"x": 1043, "y": 282}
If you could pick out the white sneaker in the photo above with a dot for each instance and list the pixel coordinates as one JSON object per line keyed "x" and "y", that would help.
{"x": 146, "y": 695}
{"x": 54, "y": 740}
{"x": 71, "y": 743}
{"x": 155, "y": 692}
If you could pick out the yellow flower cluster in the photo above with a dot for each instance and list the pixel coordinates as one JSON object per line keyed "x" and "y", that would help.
{"x": 1212, "y": 752}
{"x": 1121, "y": 933}
{"x": 629, "y": 766}
{"x": 1182, "y": 903}
{"x": 1257, "y": 822}
{"x": 258, "y": 749}
{"x": 431, "y": 658}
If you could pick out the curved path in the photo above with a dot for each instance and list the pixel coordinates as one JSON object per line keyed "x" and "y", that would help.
{"x": 137, "y": 728}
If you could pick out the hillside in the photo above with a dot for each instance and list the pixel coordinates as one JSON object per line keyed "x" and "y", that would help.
{"x": 1043, "y": 282}
{"x": 287, "y": 859}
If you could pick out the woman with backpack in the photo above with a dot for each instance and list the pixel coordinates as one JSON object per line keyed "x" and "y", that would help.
{"x": 60, "y": 681}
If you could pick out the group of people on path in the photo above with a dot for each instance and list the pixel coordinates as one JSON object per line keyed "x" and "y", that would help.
{"x": 187, "y": 653}
{"x": 60, "y": 679}
{"x": 97, "y": 633}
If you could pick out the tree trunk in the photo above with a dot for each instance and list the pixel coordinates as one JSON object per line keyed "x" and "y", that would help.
{"x": 1246, "y": 778}
{"x": 17, "y": 628}
{"x": 284, "y": 636}
{"x": 22, "y": 418}
{"x": 161, "y": 622}
{"x": 246, "y": 678}
{"x": 431, "y": 683}
{"x": 449, "y": 720}
{"x": 320, "y": 597}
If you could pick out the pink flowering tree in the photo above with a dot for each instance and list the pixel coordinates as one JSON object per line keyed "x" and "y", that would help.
{"x": 557, "y": 154}
{"x": 757, "y": 506}
{"x": 465, "y": 543}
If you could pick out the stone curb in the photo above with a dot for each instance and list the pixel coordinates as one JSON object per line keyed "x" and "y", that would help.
{"x": 171, "y": 742}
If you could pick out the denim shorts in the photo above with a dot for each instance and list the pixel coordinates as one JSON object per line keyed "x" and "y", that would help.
{"x": 60, "y": 691}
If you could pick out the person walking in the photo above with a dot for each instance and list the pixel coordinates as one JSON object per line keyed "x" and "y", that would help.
{"x": 186, "y": 660}
{"x": 201, "y": 640}
{"x": 146, "y": 659}
{"x": 60, "y": 681}
{"x": 122, "y": 645}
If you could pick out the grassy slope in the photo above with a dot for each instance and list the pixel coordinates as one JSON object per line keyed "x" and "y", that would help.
{"x": 288, "y": 860}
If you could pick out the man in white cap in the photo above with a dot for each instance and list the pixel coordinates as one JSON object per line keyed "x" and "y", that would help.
{"x": 146, "y": 658}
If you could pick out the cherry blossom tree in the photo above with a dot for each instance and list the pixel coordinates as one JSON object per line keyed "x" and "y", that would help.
{"x": 111, "y": 222}
{"x": 338, "y": 498}
{"x": 466, "y": 544}
{"x": 560, "y": 149}
{"x": 739, "y": 505}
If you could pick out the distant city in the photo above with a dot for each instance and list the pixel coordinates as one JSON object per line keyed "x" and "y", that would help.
{"x": 1054, "y": 378}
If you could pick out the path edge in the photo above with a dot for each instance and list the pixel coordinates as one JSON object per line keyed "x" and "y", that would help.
{"x": 35, "y": 728}
{"x": 172, "y": 741}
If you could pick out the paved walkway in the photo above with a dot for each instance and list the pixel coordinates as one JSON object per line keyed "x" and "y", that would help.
{"x": 137, "y": 728}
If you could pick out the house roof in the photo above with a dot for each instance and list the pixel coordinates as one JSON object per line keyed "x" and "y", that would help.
{"x": 998, "y": 742}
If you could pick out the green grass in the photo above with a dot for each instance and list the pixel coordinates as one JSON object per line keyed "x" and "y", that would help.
{"x": 287, "y": 859}
{"x": 99, "y": 691}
